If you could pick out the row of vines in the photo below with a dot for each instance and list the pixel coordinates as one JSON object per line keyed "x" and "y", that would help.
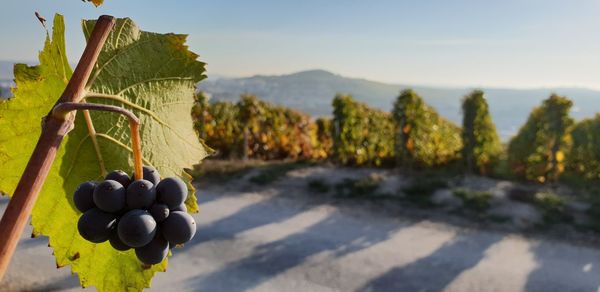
{"x": 361, "y": 135}
{"x": 255, "y": 129}
{"x": 412, "y": 136}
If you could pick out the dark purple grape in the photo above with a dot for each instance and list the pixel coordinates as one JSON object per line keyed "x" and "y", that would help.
{"x": 141, "y": 194}
{"x": 171, "y": 191}
{"x": 109, "y": 196}
{"x": 84, "y": 196}
{"x": 95, "y": 225}
{"x": 120, "y": 176}
{"x": 116, "y": 242}
{"x": 136, "y": 228}
{"x": 178, "y": 228}
{"x": 154, "y": 252}
{"x": 181, "y": 208}
{"x": 159, "y": 212}
{"x": 150, "y": 174}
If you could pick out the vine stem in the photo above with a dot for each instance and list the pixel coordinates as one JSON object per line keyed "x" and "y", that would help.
{"x": 62, "y": 110}
{"x": 53, "y": 131}
{"x": 94, "y": 138}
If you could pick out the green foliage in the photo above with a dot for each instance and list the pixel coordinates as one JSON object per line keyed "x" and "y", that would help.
{"x": 256, "y": 129}
{"x": 422, "y": 137}
{"x": 553, "y": 207}
{"x": 538, "y": 151}
{"x": 200, "y": 114}
{"x": 481, "y": 144}
{"x": 278, "y": 132}
{"x": 160, "y": 93}
{"x": 584, "y": 158}
{"x": 250, "y": 111}
{"x": 361, "y": 135}
{"x": 548, "y": 200}
{"x": 219, "y": 124}
{"x": 475, "y": 200}
{"x": 422, "y": 187}
{"x": 362, "y": 187}
{"x": 324, "y": 140}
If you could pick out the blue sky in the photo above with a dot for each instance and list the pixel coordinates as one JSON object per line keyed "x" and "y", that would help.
{"x": 505, "y": 43}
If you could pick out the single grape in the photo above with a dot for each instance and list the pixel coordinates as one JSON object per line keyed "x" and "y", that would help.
{"x": 120, "y": 176}
{"x": 95, "y": 225}
{"x": 84, "y": 196}
{"x": 154, "y": 252}
{"x": 109, "y": 196}
{"x": 181, "y": 208}
{"x": 150, "y": 174}
{"x": 136, "y": 228}
{"x": 159, "y": 212}
{"x": 171, "y": 191}
{"x": 141, "y": 194}
{"x": 178, "y": 228}
{"x": 116, "y": 242}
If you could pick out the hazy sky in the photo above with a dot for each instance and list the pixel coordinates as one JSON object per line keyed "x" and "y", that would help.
{"x": 506, "y": 43}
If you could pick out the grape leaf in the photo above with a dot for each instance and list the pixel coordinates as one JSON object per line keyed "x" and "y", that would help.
{"x": 20, "y": 118}
{"x": 97, "y": 2}
{"x": 153, "y": 75}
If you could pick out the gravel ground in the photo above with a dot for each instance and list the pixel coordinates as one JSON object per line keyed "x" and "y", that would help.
{"x": 282, "y": 238}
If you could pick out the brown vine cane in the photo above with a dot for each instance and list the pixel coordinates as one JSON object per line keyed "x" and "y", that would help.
{"x": 53, "y": 131}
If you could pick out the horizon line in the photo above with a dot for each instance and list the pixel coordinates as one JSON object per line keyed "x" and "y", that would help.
{"x": 440, "y": 86}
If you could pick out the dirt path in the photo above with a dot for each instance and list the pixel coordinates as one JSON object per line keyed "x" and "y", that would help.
{"x": 275, "y": 239}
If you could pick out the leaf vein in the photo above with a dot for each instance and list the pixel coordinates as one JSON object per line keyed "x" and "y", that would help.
{"x": 154, "y": 80}
{"x": 143, "y": 110}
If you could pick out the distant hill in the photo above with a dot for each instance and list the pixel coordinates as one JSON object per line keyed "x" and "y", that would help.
{"x": 312, "y": 92}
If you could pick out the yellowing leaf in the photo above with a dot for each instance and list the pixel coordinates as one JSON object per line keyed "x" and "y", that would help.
{"x": 97, "y": 2}
{"x": 153, "y": 75}
{"x": 560, "y": 156}
{"x": 20, "y": 118}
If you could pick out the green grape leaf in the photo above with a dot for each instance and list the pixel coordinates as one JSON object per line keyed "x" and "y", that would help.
{"x": 154, "y": 76}
{"x": 20, "y": 117}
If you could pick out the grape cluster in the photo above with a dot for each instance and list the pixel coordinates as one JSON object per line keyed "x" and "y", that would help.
{"x": 148, "y": 215}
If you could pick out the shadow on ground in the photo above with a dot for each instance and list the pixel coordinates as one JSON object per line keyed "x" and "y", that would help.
{"x": 417, "y": 276}
{"x": 554, "y": 260}
{"x": 249, "y": 217}
{"x": 274, "y": 258}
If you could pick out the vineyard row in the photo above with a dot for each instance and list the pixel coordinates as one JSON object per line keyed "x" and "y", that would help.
{"x": 412, "y": 136}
